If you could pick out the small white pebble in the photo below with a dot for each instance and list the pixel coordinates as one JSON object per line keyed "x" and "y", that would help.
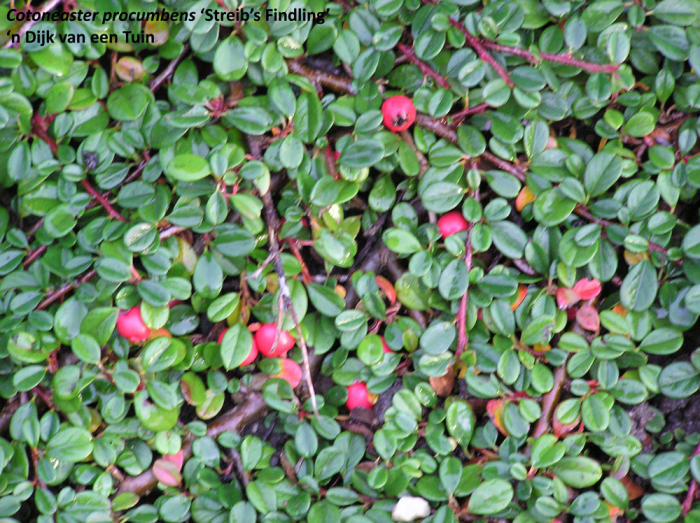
{"x": 410, "y": 508}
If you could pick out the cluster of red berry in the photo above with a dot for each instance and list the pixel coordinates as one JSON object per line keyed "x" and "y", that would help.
{"x": 130, "y": 325}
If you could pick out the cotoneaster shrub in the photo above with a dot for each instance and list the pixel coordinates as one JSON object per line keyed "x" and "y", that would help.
{"x": 511, "y": 283}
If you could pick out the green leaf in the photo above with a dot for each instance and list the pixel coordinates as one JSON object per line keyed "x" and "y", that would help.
{"x": 70, "y": 444}
{"x": 679, "y": 380}
{"x": 236, "y": 346}
{"x": 491, "y": 497}
{"x": 661, "y": 508}
{"x": 129, "y": 102}
{"x": 401, "y": 241}
{"x": 363, "y": 153}
{"x": 578, "y": 472}
{"x": 85, "y": 347}
{"x": 638, "y": 289}
{"x": 602, "y": 172}
{"x": 460, "y": 422}
{"x": 230, "y": 62}
{"x": 325, "y": 300}
{"x": 188, "y": 167}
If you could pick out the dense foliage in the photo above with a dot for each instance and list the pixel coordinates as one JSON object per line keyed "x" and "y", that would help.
{"x": 174, "y": 211}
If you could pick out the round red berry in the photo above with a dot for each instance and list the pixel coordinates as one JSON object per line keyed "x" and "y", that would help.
{"x": 265, "y": 339}
{"x": 452, "y": 223}
{"x": 399, "y": 113}
{"x": 131, "y": 325}
{"x": 358, "y": 396}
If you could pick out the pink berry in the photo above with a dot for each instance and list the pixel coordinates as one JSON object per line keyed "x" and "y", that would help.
{"x": 358, "y": 396}
{"x": 131, "y": 325}
{"x": 452, "y": 223}
{"x": 265, "y": 339}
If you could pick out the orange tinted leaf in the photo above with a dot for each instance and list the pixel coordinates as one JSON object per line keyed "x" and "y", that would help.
{"x": 525, "y": 197}
{"x": 386, "y": 286}
{"x": 634, "y": 491}
{"x": 495, "y": 409}
{"x": 522, "y": 292}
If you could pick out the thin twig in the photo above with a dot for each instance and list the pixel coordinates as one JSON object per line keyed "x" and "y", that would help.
{"x": 550, "y": 57}
{"x": 424, "y": 68}
{"x": 45, "y": 8}
{"x": 549, "y": 401}
{"x": 467, "y": 111}
{"x": 33, "y": 255}
{"x": 475, "y": 44}
{"x": 335, "y": 82}
{"x": 462, "y": 337}
{"x": 169, "y": 70}
{"x": 171, "y": 231}
{"x": 285, "y": 295}
{"x": 583, "y": 212}
{"x": 54, "y": 295}
{"x": 111, "y": 211}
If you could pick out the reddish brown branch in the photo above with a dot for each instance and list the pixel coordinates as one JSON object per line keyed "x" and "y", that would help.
{"x": 58, "y": 293}
{"x": 550, "y": 57}
{"x": 168, "y": 71}
{"x": 335, "y": 82}
{"x": 504, "y": 165}
{"x": 33, "y": 255}
{"x": 436, "y": 126}
{"x": 171, "y": 231}
{"x": 583, "y": 212}
{"x": 424, "y": 68}
{"x": 467, "y": 111}
{"x": 462, "y": 338}
{"x": 549, "y": 401}
{"x": 111, "y": 211}
{"x": 40, "y": 129}
{"x": 475, "y": 44}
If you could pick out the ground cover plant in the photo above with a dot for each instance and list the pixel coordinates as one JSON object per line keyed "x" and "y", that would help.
{"x": 398, "y": 260}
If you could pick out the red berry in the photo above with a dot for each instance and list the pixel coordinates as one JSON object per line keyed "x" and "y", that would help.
{"x": 131, "y": 325}
{"x": 452, "y": 223}
{"x": 399, "y": 113}
{"x": 251, "y": 355}
{"x": 358, "y": 396}
{"x": 385, "y": 346}
{"x": 291, "y": 372}
{"x": 265, "y": 339}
